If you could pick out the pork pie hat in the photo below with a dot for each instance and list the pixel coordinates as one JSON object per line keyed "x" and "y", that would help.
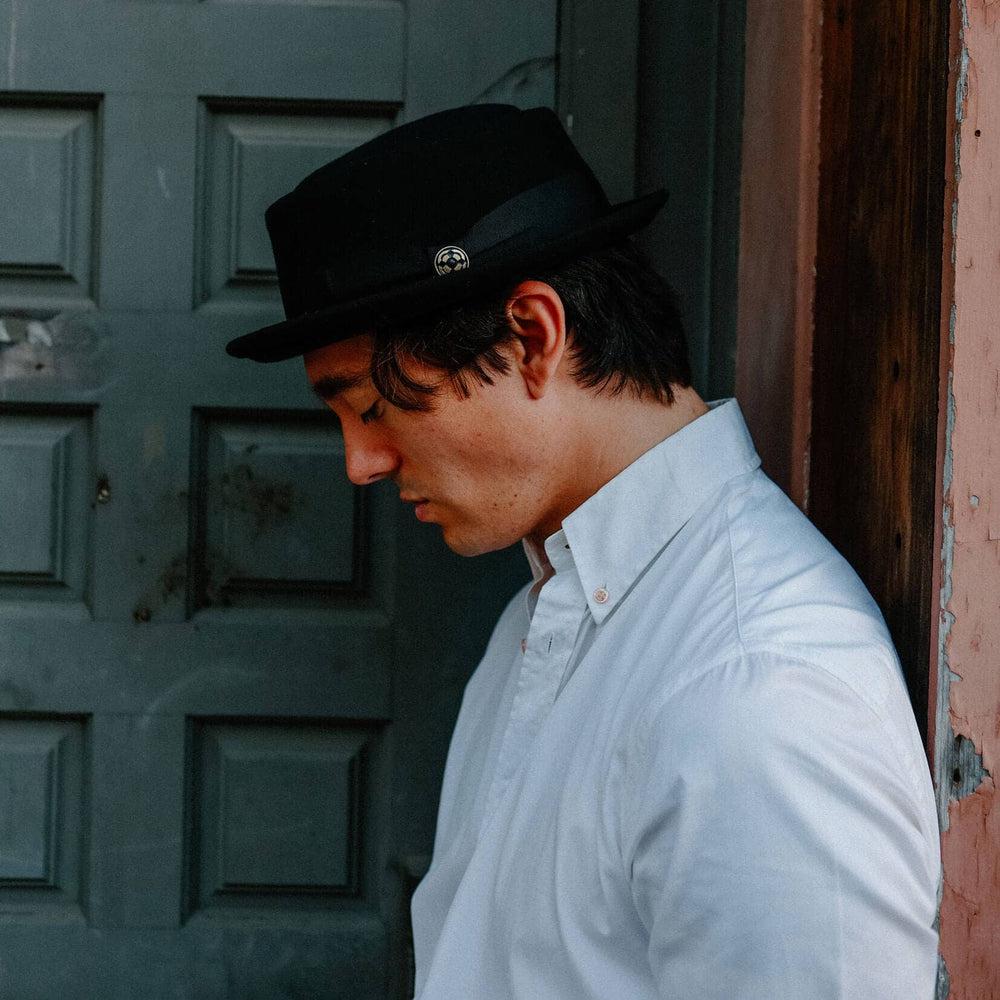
{"x": 428, "y": 215}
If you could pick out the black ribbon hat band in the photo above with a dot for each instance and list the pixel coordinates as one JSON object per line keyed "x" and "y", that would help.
{"x": 547, "y": 210}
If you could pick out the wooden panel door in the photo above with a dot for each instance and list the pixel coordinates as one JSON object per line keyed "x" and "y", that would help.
{"x": 227, "y": 676}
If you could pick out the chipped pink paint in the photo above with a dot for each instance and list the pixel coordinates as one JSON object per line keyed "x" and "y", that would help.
{"x": 970, "y": 506}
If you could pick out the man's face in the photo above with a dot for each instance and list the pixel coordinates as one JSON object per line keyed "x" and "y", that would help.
{"x": 468, "y": 465}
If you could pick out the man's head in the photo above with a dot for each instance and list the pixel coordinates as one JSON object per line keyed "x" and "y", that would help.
{"x": 500, "y": 416}
{"x": 468, "y": 303}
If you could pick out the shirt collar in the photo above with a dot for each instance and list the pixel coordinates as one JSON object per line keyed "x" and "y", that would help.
{"x": 614, "y": 535}
{"x": 545, "y": 562}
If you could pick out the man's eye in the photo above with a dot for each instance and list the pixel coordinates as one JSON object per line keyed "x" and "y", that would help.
{"x": 372, "y": 413}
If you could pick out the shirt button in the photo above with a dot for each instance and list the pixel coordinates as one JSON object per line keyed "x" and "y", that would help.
{"x": 601, "y": 595}
{"x": 524, "y": 646}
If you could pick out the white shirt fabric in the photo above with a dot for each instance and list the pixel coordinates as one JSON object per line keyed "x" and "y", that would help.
{"x": 701, "y": 779}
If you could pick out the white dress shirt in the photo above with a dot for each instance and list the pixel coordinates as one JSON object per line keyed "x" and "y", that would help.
{"x": 687, "y": 766}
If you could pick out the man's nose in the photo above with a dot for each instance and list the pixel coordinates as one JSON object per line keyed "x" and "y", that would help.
{"x": 367, "y": 457}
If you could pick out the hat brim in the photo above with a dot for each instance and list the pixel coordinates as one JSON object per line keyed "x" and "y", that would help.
{"x": 302, "y": 334}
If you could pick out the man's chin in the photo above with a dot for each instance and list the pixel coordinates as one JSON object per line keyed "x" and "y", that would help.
{"x": 469, "y": 545}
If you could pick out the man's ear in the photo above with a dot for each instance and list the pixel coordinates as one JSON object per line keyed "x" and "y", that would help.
{"x": 536, "y": 318}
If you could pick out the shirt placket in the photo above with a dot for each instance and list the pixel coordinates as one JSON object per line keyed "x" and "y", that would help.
{"x": 545, "y": 653}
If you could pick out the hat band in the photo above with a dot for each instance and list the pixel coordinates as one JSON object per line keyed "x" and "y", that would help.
{"x": 555, "y": 207}
{"x": 551, "y": 209}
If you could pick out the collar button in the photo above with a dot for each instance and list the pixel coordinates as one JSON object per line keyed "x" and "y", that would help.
{"x": 601, "y": 595}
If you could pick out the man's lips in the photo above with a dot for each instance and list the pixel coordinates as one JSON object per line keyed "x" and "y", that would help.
{"x": 421, "y": 505}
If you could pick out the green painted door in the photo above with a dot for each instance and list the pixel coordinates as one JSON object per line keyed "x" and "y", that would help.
{"x": 227, "y": 677}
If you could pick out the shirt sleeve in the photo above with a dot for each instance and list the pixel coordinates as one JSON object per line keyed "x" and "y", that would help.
{"x": 776, "y": 843}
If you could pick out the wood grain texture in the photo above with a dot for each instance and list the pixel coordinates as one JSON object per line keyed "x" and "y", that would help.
{"x": 877, "y": 306}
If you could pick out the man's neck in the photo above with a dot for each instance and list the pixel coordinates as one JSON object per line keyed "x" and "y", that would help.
{"x": 610, "y": 434}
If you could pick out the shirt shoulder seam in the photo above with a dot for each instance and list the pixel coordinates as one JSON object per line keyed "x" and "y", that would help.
{"x": 750, "y": 650}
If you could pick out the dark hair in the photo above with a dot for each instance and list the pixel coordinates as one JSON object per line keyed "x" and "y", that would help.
{"x": 622, "y": 319}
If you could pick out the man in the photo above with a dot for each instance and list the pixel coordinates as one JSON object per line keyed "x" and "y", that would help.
{"x": 686, "y": 766}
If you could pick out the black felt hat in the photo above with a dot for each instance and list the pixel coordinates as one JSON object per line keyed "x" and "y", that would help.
{"x": 428, "y": 215}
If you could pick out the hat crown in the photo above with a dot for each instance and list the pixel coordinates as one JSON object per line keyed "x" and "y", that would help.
{"x": 415, "y": 188}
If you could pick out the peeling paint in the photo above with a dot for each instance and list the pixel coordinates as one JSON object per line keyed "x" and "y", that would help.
{"x": 949, "y": 454}
{"x": 524, "y": 76}
{"x": 945, "y": 674}
{"x": 966, "y": 767}
{"x": 962, "y": 88}
{"x": 70, "y": 348}
{"x": 943, "y": 980}
{"x": 161, "y": 179}
{"x": 954, "y": 233}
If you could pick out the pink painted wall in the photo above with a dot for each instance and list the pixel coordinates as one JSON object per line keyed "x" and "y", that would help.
{"x": 968, "y": 674}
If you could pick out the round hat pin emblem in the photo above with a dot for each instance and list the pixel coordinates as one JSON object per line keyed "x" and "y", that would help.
{"x": 448, "y": 260}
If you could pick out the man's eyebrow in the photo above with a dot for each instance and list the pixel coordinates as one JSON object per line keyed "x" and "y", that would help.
{"x": 330, "y": 386}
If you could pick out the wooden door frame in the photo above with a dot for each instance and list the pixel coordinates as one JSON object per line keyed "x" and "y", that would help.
{"x": 840, "y": 287}
{"x": 882, "y": 194}
{"x": 779, "y": 194}
{"x": 841, "y": 250}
